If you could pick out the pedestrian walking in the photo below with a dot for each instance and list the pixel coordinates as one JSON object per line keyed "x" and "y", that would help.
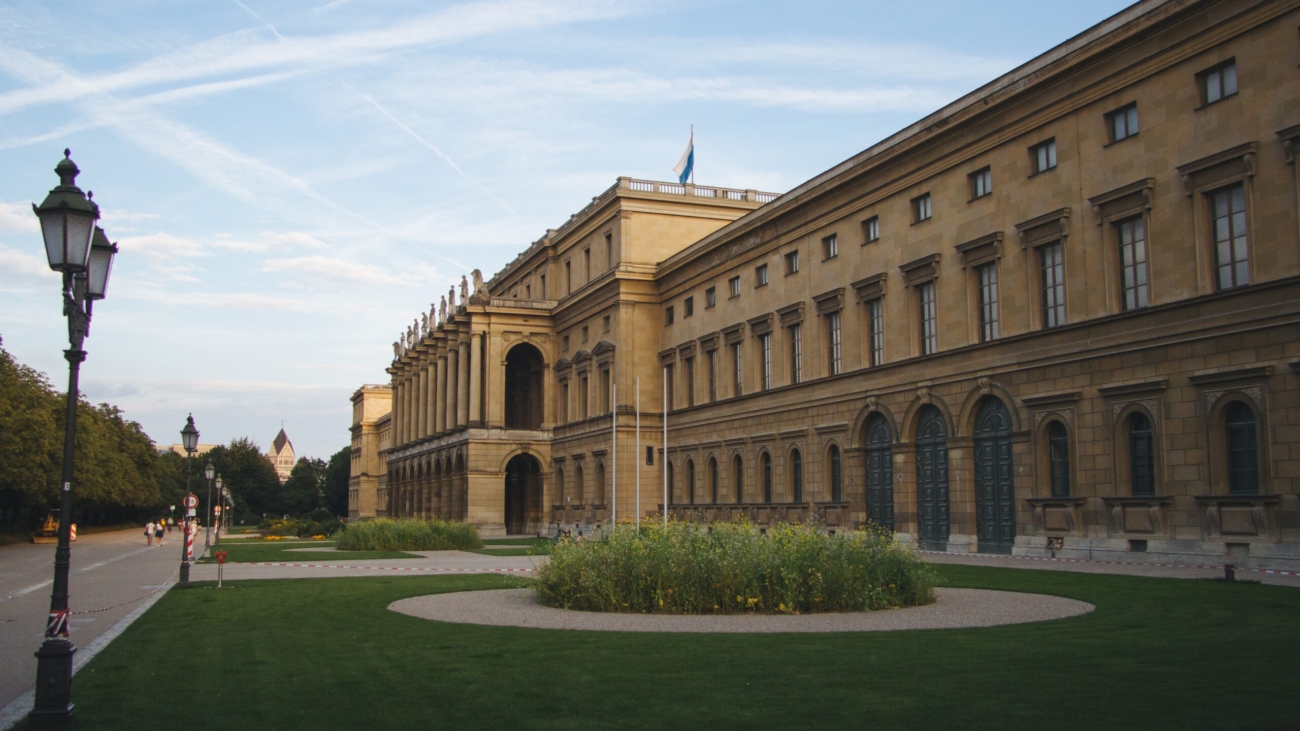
{"x": 159, "y": 531}
{"x": 148, "y": 532}
{"x": 170, "y": 522}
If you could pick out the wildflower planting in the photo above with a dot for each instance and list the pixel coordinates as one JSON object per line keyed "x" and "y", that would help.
{"x": 408, "y": 534}
{"x": 686, "y": 568}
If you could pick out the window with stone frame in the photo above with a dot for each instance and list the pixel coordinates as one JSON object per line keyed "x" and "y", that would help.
{"x": 837, "y": 474}
{"x": 668, "y": 315}
{"x": 796, "y": 353}
{"x": 760, "y": 275}
{"x": 584, "y": 397}
{"x": 796, "y": 475}
{"x": 713, "y": 375}
{"x": 1058, "y": 455}
{"x": 1218, "y": 82}
{"x": 1043, "y": 156}
{"x": 734, "y": 285}
{"x": 710, "y": 297}
{"x": 604, "y": 391}
{"x": 1123, "y": 122}
{"x": 1142, "y": 455}
{"x": 688, "y": 371}
{"x": 792, "y": 262}
{"x": 1231, "y": 248}
{"x": 981, "y": 182}
{"x": 671, "y": 387}
{"x": 921, "y": 210}
{"x": 765, "y": 350}
{"x": 1051, "y": 264}
{"x": 737, "y": 370}
{"x": 830, "y": 247}
{"x": 987, "y": 281}
{"x": 767, "y": 477}
{"x": 688, "y": 307}
{"x": 871, "y": 229}
{"x": 876, "y": 331}
{"x": 834, "y": 342}
{"x": 1131, "y": 233}
{"x": 928, "y": 320}
{"x": 1242, "y": 436}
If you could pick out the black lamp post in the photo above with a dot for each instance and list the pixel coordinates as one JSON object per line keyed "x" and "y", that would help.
{"x": 209, "y": 473}
{"x": 79, "y": 250}
{"x": 216, "y": 518}
{"x": 190, "y": 440}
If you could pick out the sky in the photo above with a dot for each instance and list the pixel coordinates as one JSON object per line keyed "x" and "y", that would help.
{"x": 291, "y": 183}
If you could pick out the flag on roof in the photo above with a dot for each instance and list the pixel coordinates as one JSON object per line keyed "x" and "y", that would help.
{"x": 686, "y": 166}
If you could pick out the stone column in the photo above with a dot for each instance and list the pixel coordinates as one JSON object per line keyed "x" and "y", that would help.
{"x": 431, "y": 374}
{"x": 476, "y": 379}
{"x": 399, "y": 417}
{"x": 442, "y": 394}
{"x": 462, "y": 382}
{"x": 421, "y": 399}
{"x": 453, "y": 387}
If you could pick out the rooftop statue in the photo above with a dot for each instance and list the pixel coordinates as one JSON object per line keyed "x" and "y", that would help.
{"x": 451, "y": 299}
{"x": 464, "y": 290}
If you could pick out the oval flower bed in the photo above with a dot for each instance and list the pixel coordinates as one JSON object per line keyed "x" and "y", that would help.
{"x": 687, "y": 568}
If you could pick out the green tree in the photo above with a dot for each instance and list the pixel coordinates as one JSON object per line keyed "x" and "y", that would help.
{"x": 30, "y": 441}
{"x": 337, "y": 475}
{"x": 251, "y": 479}
{"x": 304, "y": 491}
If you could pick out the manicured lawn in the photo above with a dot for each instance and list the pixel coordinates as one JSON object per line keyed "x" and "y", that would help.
{"x": 514, "y": 547}
{"x": 283, "y": 551}
{"x": 327, "y": 654}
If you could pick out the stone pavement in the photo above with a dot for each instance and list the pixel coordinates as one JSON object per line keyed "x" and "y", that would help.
{"x": 1167, "y": 571}
{"x": 322, "y": 565}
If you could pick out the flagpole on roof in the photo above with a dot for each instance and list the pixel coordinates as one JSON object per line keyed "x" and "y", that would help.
{"x": 692, "y": 154}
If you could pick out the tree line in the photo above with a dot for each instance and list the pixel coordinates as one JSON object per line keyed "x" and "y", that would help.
{"x": 120, "y": 477}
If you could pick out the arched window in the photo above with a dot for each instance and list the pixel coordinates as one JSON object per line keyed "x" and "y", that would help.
{"x": 837, "y": 491}
{"x": 523, "y": 391}
{"x": 559, "y": 484}
{"x": 600, "y": 483}
{"x": 738, "y": 478}
{"x": 796, "y": 475}
{"x": 1243, "y": 457}
{"x": 670, "y": 483}
{"x": 713, "y": 480}
{"x": 1058, "y": 454}
{"x": 690, "y": 482}
{"x": 767, "y": 477}
{"x": 580, "y": 487}
{"x": 1142, "y": 456}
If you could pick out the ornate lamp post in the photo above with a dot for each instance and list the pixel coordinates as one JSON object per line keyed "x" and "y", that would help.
{"x": 190, "y": 440}
{"x": 216, "y": 518}
{"x": 209, "y": 473}
{"x": 79, "y": 250}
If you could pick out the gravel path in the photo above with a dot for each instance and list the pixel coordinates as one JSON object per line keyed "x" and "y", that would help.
{"x": 955, "y": 608}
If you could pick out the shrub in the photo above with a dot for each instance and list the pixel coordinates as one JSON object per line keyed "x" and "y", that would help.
{"x": 731, "y": 568}
{"x": 408, "y": 534}
{"x": 299, "y": 527}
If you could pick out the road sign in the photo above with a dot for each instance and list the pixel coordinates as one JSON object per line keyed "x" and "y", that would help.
{"x": 191, "y": 512}
{"x": 191, "y": 501}
{"x": 217, "y": 509}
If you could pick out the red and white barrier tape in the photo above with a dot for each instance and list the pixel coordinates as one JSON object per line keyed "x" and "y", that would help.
{"x": 1276, "y": 572}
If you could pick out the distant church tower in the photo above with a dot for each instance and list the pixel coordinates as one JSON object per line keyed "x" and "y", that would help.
{"x": 282, "y": 455}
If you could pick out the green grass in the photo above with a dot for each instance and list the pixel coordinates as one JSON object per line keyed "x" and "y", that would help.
{"x": 282, "y": 551}
{"x": 327, "y": 654}
{"x": 514, "y": 547}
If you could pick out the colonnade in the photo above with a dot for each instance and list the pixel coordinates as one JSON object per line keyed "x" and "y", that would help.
{"x": 438, "y": 385}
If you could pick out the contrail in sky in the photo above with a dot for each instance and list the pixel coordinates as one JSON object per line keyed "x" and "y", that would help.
{"x": 390, "y": 116}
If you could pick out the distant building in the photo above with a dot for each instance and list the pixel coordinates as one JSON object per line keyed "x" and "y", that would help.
{"x": 282, "y": 456}
{"x": 372, "y": 406}
{"x": 200, "y": 449}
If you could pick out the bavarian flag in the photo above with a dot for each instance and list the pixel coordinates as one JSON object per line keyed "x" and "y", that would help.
{"x": 686, "y": 165}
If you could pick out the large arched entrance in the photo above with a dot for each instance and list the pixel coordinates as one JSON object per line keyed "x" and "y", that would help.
{"x": 995, "y": 503}
{"x": 523, "y": 493}
{"x": 524, "y": 366}
{"x": 880, "y": 472}
{"x": 932, "y": 480}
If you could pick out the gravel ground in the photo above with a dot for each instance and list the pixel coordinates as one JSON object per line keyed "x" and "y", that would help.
{"x": 955, "y": 608}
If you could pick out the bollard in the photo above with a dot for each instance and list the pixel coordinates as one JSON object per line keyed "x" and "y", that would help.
{"x": 221, "y": 566}
{"x": 1229, "y": 572}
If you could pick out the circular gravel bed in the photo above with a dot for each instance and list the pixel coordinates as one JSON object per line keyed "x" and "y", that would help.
{"x": 954, "y": 608}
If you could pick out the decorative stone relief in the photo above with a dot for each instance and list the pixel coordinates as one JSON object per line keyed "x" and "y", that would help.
{"x": 985, "y": 388}
{"x": 1117, "y": 515}
{"x": 1212, "y": 519}
{"x": 1157, "y": 522}
{"x": 923, "y": 393}
{"x": 1152, "y": 404}
{"x": 1039, "y": 520}
{"x": 1255, "y": 392}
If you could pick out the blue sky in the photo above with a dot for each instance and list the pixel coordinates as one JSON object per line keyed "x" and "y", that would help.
{"x": 292, "y": 182}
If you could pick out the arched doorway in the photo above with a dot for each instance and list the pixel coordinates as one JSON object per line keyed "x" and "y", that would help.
{"x": 879, "y": 455}
{"x": 524, "y": 368}
{"x": 932, "y": 480}
{"x": 523, "y": 493}
{"x": 995, "y": 498}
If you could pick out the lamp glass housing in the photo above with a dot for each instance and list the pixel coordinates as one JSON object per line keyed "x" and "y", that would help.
{"x": 67, "y": 233}
{"x": 190, "y": 435}
{"x": 218, "y": 482}
{"x": 100, "y": 265}
{"x": 209, "y": 471}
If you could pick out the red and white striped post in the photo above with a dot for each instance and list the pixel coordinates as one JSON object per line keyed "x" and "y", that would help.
{"x": 189, "y": 540}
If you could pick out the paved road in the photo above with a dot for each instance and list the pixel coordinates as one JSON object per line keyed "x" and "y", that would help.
{"x": 108, "y": 570}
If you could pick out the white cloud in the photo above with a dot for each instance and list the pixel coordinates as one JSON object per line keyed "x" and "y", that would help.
{"x": 21, "y": 267}
{"x": 18, "y": 217}
{"x": 342, "y": 271}
{"x": 161, "y": 247}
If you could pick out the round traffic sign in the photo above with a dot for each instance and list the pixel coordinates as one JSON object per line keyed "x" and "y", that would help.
{"x": 191, "y": 501}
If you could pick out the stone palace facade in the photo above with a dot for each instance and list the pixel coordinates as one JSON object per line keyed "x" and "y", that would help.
{"x": 1059, "y": 315}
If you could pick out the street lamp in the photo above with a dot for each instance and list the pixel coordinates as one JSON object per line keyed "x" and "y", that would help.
{"x": 189, "y": 440}
{"x": 209, "y": 472}
{"x": 217, "y": 517}
{"x": 77, "y": 249}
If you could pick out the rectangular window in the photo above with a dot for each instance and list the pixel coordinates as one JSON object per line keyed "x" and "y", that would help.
{"x": 876, "y": 331}
{"x": 1123, "y": 122}
{"x": 689, "y": 307}
{"x": 1053, "y": 268}
{"x": 760, "y": 275}
{"x": 734, "y": 285}
{"x": 528, "y": 291}
{"x": 765, "y": 347}
{"x": 1044, "y": 156}
{"x": 792, "y": 262}
{"x": 668, "y": 315}
{"x": 690, "y": 381}
{"x": 584, "y": 398}
{"x": 981, "y": 183}
{"x": 668, "y": 378}
{"x": 1133, "y": 262}
{"x": 604, "y": 390}
{"x": 1228, "y": 210}
{"x": 929, "y": 335}
{"x": 871, "y": 227}
{"x": 830, "y": 247}
{"x": 737, "y": 370}
{"x": 564, "y": 403}
{"x": 586, "y": 265}
{"x": 713, "y": 376}
{"x": 605, "y": 323}
{"x": 566, "y": 343}
{"x": 568, "y": 277}
{"x": 609, "y": 251}
{"x": 833, "y": 329}
{"x": 542, "y": 281}
{"x": 710, "y": 297}
{"x": 921, "y": 208}
{"x": 1219, "y": 82}
{"x": 796, "y": 353}
{"x": 988, "y": 294}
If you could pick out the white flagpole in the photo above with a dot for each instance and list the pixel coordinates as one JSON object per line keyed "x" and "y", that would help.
{"x": 613, "y": 420}
{"x": 636, "y": 456}
{"x": 664, "y": 466}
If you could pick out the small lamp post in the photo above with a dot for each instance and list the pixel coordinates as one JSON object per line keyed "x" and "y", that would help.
{"x": 79, "y": 250}
{"x": 189, "y": 440}
{"x": 209, "y": 472}
{"x": 216, "y": 518}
